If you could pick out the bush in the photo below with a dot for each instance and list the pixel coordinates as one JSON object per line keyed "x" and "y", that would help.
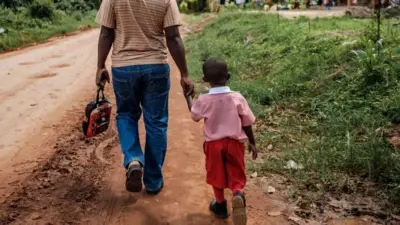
{"x": 77, "y": 15}
{"x": 193, "y": 5}
{"x": 42, "y": 9}
{"x": 13, "y": 3}
{"x": 72, "y": 6}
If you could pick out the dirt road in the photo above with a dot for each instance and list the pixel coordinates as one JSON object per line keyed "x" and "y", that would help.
{"x": 37, "y": 86}
{"x": 310, "y": 13}
{"x": 313, "y": 13}
{"x": 51, "y": 174}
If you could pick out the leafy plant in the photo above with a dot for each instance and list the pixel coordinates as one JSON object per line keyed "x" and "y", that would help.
{"x": 373, "y": 63}
{"x": 72, "y": 6}
{"x": 42, "y": 9}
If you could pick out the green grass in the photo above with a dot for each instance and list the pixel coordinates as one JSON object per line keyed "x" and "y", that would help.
{"x": 194, "y": 18}
{"x": 22, "y": 30}
{"x": 317, "y": 102}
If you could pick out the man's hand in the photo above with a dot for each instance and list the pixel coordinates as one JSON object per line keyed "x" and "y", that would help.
{"x": 106, "y": 40}
{"x": 102, "y": 77}
{"x": 253, "y": 150}
{"x": 187, "y": 86}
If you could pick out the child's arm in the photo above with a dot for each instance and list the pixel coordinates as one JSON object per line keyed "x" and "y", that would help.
{"x": 195, "y": 109}
{"x": 248, "y": 130}
{"x": 247, "y": 118}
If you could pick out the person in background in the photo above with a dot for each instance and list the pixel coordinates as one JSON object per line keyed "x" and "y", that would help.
{"x": 140, "y": 32}
{"x": 296, "y": 4}
{"x": 257, "y": 4}
{"x": 308, "y": 4}
{"x": 240, "y": 3}
{"x": 227, "y": 125}
{"x": 328, "y": 4}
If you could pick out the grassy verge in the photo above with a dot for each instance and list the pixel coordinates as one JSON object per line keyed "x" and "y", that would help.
{"x": 324, "y": 93}
{"x": 194, "y": 18}
{"x": 21, "y": 29}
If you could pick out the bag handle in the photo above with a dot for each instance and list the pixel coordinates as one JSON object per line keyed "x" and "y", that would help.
{"x": 103, "y": 77}
{"x": 99, "y": 89}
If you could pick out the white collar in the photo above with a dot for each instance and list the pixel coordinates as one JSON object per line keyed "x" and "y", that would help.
{"x": 219, "y": 90}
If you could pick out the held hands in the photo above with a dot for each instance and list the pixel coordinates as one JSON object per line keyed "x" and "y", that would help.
{"x": 187, "y": 86}
{"x": 102, "y": 77}
{"x": 253, "y": 150}
{"x": 188, "y": 90}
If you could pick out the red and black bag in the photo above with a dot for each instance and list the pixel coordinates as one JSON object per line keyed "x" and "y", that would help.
{"x": 97, "y": 115}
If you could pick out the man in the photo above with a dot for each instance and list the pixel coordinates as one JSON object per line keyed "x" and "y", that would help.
{"x": 137, "y": 30}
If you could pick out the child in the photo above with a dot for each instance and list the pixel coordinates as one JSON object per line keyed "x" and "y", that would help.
{"x": 227, "y": 125}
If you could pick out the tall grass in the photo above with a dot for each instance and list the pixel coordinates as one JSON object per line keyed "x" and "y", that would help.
{"x": 324, "y": 96}
{"x": 34, "y": 23}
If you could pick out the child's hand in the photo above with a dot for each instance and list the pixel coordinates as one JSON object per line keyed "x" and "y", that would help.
{"x": 253, "y": 150}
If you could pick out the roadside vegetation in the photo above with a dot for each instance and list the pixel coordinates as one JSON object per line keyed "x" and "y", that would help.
{"x": 23, "y": 22}
{"x": 325, "y": 91}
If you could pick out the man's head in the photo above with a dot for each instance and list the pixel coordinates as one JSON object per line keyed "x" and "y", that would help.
{"x": 215, "y": 72}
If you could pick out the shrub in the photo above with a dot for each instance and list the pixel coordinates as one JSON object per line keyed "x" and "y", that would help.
{"x": 72, "y": 6}
{"x": 42, "y": 9}
{"x": 193, "y": 5}
{"x": 77, "y": 15}
{"x": 13, "y": 3}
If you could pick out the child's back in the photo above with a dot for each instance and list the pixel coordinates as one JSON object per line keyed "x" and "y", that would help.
{"x": 225, "y": 113}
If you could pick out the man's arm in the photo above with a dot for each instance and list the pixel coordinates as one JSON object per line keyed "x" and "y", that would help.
{"x": 106, "y": 40}
{"x": 177, "y": 49}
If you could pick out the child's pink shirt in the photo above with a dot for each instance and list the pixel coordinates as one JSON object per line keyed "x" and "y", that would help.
{"x": 224, "y": 113}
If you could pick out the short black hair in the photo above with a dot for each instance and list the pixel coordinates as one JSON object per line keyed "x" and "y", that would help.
{"x": 215, "y": 70}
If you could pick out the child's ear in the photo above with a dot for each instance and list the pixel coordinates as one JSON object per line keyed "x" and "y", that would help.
{"x": 228, "y": 76}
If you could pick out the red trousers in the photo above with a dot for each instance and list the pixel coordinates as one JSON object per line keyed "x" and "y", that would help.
{"x": 225, "y": 164}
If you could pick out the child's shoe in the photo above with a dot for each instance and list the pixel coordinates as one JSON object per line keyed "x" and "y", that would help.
{"x": 220, "y": 210}
{"x": 239, "y": 216}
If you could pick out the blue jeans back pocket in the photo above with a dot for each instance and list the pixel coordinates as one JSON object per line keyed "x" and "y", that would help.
{"x": 159, "y": 79}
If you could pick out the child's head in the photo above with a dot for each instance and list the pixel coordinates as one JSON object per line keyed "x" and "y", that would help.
{"x": 215, "y": 72}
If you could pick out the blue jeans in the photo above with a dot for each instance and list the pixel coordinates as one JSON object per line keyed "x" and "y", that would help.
{"x": 137, "y": 88}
